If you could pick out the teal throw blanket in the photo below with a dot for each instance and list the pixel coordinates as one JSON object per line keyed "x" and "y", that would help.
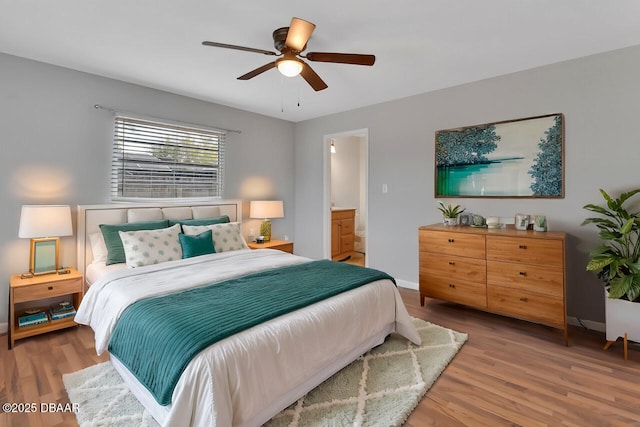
{"x": 156, "y": 338}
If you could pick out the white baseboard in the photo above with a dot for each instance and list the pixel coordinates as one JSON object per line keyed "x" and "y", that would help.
{"x": 407, "y": 284}
{"x": 4, "y": 328}
{"x": 589, "y": 324}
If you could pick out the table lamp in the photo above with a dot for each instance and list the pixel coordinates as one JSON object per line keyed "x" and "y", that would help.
{"x": 44, "y": 225}
{"x": 266, "y": 209}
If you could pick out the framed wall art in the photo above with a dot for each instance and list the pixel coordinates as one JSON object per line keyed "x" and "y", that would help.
{"x": 515, "y": 158}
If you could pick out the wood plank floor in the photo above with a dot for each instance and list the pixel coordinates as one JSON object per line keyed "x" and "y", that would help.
{"x": 509, "y": 373}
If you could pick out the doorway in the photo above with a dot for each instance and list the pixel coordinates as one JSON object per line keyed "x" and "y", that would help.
{"x": 345, "y": 189}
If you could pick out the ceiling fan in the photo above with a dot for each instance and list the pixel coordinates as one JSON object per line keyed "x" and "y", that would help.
{"x": 291, "y": 41}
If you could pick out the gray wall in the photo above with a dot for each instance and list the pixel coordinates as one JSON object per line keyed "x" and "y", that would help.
{"x": 600, "y": 98}
{"x": 56, "y": 148}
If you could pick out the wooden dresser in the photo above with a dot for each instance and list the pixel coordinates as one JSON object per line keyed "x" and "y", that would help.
{"x": 343, "y": 226}
{"x": 512, "y": 272}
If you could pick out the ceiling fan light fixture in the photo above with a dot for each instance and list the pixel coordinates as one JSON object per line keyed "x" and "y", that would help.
{"x": 289, "y": 67}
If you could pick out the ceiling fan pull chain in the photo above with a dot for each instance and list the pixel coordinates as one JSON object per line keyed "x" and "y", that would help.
{"x": 282, "y": 94}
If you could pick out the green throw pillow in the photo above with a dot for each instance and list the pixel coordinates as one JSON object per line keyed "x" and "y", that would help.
{"x": 201, "y": 244}
{"x": 201, "y": 221}
{"x": 115, "y": 250}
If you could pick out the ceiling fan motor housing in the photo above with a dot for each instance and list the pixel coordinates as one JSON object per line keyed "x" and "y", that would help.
{"x": 280, "y": 37}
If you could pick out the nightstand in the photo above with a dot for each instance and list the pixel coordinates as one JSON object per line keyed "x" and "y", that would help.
{"x": 32, "y": 292}
{"x": 281, "y": 245}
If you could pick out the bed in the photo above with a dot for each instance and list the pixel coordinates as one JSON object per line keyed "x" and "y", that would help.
{"x": 246, "y": 377}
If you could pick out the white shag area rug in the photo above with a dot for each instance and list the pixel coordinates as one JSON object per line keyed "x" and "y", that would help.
{"x": 381, "y": 388}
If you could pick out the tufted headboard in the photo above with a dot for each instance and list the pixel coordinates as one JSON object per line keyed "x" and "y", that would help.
{"x": 91, "y": 216}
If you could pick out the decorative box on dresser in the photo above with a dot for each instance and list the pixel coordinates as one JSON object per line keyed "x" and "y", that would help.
{"x": 518, "y": 273}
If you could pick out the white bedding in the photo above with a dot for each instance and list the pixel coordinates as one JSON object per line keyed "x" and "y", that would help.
{"x": 249, "y": 377}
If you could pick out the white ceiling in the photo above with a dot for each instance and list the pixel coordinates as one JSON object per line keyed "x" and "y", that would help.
{"x": 420, "y": 45}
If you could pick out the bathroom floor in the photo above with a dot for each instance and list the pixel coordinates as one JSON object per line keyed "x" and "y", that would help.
{"x": 357, "y": 258}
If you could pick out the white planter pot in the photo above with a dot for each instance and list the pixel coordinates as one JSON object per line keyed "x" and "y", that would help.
{"x": 450, "y": 221}
{"x": 622, "y": 317}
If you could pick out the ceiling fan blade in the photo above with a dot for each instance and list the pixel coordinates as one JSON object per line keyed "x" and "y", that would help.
{"x": 312, "y": 78}
{"x": 233, "y": 46}
{"x": 257, "y": 71}
{"x": 299, "y": 34}
{"x": 342, "y": 58}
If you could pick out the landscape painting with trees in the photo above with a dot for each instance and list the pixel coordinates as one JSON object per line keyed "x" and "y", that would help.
{"x": 518, "y": 158}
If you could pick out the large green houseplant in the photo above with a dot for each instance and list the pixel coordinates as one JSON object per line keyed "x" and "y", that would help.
{"x": 616, "y": 260}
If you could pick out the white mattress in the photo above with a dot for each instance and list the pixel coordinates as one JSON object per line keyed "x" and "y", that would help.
{"x": 251, "y": 376}
{"x": 98, "y": 269}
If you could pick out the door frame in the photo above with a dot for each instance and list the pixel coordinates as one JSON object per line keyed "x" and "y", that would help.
{"x": 326, "y": 197}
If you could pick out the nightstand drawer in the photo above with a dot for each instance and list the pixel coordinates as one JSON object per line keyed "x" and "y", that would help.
{"x": 46, "y": 290}
{"x": 281, "y": 245}
{"x": 284, "y": 247}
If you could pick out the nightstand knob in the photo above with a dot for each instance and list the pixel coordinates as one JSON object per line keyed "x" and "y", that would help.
{"x": 522, "y": 246}
{"x": 524, "y": 299}
{"x": 452, "y": 263}
{"x": 522, "y": 273}
{"x": 50, "y": 288}
{"x": 450, "y": 240}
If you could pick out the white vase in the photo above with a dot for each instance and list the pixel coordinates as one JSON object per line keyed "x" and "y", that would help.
{"x": 622, "y": 317}
{"x": 450, "y": 221}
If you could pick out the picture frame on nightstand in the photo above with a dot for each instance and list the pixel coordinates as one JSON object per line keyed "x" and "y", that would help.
{"x": 44, "y": 255}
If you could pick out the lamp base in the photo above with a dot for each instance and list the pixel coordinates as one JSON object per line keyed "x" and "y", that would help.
{"x": 265, "y": 230}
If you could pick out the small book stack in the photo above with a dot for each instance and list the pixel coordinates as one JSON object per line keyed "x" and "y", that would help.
{"x": 32, "y": 319}
{"x": 61, "y": 310}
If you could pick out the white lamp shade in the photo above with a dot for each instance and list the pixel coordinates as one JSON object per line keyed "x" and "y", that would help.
{"x": 266, "y": 209}
{"x": 45, "y": 221}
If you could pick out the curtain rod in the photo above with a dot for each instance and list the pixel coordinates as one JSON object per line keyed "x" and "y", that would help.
{"x": 114, "y": 111}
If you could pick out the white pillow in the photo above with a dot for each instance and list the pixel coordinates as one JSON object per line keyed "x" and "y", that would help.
{"x": 226, "y": 236}
{"x": 144, "y": 214}
{"x": 98, "y": 247}
{"x": 146, "y": 247}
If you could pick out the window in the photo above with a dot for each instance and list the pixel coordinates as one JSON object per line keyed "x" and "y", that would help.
{"x": 163, "y": 160}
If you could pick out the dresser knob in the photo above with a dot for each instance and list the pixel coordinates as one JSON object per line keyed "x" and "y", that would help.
{"x": 50, "y": 288}
{"x": 522, "y": 273}
{"x": 452, "y": 263}
{"x": 451, "y": 285}
{"x": 450, "y": 240}
{"x": 524, "y": 299}
{"x": 522, "y": 246}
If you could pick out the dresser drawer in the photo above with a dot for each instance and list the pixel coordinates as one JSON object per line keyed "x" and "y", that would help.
{"x": 470, "y": 269}
{"x": 343, "y": 214}
{"x": 547, "y": 252}
{"x": 450, "y": 243}
{"x": 527, "y": 277}
{"x": 526, "y": 305}
{"x": 454, "y": 290}
{"x": 46, "y": 290}
{"x": 347, "y": 226}
{"x": 346, "y": 243}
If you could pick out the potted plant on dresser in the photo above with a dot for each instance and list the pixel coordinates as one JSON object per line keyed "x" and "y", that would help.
{"x": 450, "y": 213}
{"x": 617, "y": 263}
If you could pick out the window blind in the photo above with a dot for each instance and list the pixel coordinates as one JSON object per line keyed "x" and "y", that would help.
{"x": 162, "y": 160}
